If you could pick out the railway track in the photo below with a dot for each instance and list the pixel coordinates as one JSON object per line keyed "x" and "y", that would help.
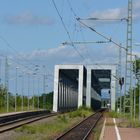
{"x": 14, "y": 121}
{"x": 82, "y": 130}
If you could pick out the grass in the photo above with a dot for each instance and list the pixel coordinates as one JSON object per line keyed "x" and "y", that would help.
{"x": 81, "y": 112}
{"x": 129, "y": 123}
{"x": 49, "y": 130}
{"x": 124, "y": 120}
{"x": 114, "y": 114}
{"x": 98, "y": 129}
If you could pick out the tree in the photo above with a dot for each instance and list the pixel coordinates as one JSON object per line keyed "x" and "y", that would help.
{"x": 3, "y": 93}
{"x": 136, "y": 66}
{"x": 49, "y": 100}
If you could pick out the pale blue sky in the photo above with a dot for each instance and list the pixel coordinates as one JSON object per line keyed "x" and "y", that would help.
{"x": 19, "y": 26}
{"x": 33, "y": 29}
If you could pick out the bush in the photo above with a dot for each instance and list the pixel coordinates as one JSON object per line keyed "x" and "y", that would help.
{"x": 63, "y": 118}
{"x": 28, "y": 129}
{"x": 81, "y": 112}
{"x": 114, "y": 114}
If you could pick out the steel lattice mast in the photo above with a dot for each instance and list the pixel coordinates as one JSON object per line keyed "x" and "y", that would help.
{"x": 119, "y": 105}
{"x": 7, "y": 83}
{"x": 128, "y": 98}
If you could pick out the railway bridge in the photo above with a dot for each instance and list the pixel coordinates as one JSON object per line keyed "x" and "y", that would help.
{"x": 77, "y": 85}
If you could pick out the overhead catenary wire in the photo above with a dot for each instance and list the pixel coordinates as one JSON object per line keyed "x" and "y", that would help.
{"x": 105, "y": 37}
{"x": 109, "y": 39}
{"x": 72, "y": 10}
{"x": 106, "y": 19}
{"x": 68, "y": 34}
{"x": 91, "y": 18}
{"x": 27, "y": 68}
{"x": 110, "y": 19}
{"x": 72, "y": 43}
{"x": 20, "y": 56}
{"x": 76, "y": 16}
{"x": 85, "y": 42}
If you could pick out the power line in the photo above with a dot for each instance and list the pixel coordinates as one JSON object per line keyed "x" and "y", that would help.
{"x": 105, "y": 19}
{"x": 9, "y": 46}
{"x": 109, "y": 39}
{"x": 20, "y": 56}
{"x": 72, "y": 10}
{"x": 91, "y": 18}
{"x": 105, "y": 37}
{"x": 67, "y": 30}
{"x": 85, "y": 42}
{"x": 109, "y": 19}
{"x": 77, "y": 18}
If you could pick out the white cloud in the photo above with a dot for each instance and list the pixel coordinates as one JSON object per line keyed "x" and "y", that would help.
{"x": 116, "y": 13}
{"x": 136, "y": 9}
{"x": 66, "y": 54}
{"x": 29, "y": 19}
{"x": 109, "y": 14}
{"x": 136, "y": 4}
{"x": 61, "y": 51}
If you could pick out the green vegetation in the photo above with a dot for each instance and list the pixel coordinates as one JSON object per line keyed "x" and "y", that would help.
{"x": 136, "y": 68}
{"x": 137, "y": 102}
{"x": 48, "y": 99}
{"x": 97, "y": 131}
{"x": 3, "y": 93}
{"x": 54, "y": 127}
{"x": 114, "y": 114}
{"x": 124, "y": 120}
{"x": 81, "y": 112}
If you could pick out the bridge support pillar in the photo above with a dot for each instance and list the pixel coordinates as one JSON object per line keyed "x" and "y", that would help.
{"x": 88, "y": 90}
{"x": 56, "y": 85}
{"x": 80, "y": 86}
{"x": 68, "y": 86}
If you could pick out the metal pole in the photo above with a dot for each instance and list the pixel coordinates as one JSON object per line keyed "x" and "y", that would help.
{"x": 22, "y": 102}
{"x": 37, "y": 74}
{"x": 135, "y": 65}
{"x": 38, "y": 92}
{"x": 7, "y": 83}
{"x": 120, "y": 100}
{"x": 44, "y": 89}
{"x": 28, "y": 90}
{"x": 134, "y": 105}
{"x": 33, "y": 92}
{"x": 128, "y": 101}
{"x": 120, "y": 61}
{"x": 16, "y": 90}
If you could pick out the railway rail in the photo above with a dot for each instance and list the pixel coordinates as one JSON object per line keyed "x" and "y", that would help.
{"x": 82, "y": 130}
{"x": 16, "y": 120}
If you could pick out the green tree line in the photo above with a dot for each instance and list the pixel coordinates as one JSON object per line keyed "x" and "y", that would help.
{"x": 136, "y": 68}
{"x": 44, "y": 101}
